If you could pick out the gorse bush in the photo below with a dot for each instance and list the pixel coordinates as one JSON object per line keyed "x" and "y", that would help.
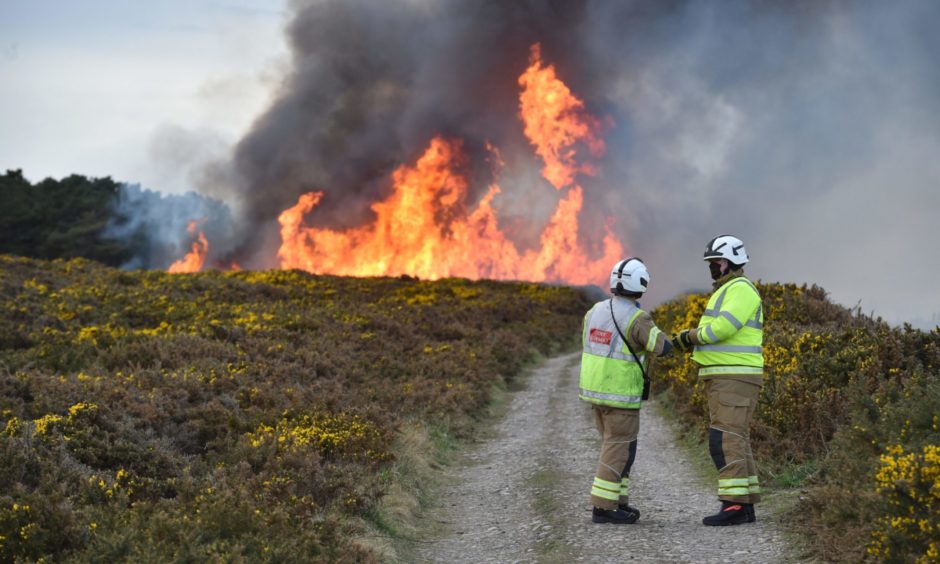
{"x": 911, "y": 484}
{"x": 848, "y": 401}
{"x": 242, "y": 415}
{"x": 893, "y": 436}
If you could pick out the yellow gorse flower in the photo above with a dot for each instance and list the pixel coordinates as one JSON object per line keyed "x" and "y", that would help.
{"x": 335, "y": 434}
{"x": 910, "y": 483}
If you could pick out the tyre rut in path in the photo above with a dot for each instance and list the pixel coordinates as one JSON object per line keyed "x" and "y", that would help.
{"x": 522, "y": 495}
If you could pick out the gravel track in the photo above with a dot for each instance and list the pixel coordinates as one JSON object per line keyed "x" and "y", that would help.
{"x": 522, "y": 495}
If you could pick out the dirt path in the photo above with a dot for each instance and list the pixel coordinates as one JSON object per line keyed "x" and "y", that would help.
{"x": 522, "y": 496}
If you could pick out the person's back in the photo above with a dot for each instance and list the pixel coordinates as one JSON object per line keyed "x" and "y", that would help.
{"x": 616, "y": 338}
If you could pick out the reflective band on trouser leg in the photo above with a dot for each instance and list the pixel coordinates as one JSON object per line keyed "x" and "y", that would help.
{"x": 753, "y": 486}
{"x": 728, "y": 487}
{"x": 624, "y": 490}
{"x": 605, "y": 490}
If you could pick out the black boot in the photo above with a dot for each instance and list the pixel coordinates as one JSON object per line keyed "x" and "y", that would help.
{"x": 626, "y": 508}
{"x": 616, "y": 516}
{"x": 731, "y": 513}
{"x": 751, "y": 517}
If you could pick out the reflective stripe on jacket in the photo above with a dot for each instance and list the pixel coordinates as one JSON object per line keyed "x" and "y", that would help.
{"x": 731, "y": 331}
{"x": 609, "y": 373}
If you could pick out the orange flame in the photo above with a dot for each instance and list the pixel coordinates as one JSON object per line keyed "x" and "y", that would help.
{"x": 426, "y": 228}
{"x": 412, "y": 235}
{"x": 421, "y": 229}
{"x": 556, "y": 122}
{"x": 194, "y": 259}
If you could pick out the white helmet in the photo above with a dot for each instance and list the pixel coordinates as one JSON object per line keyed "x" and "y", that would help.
{"x": 726, "y": 247}
{"x": 629, "y": 276}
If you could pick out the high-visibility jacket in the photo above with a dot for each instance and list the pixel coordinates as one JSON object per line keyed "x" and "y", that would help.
{"x": 731, "y": 332}
{"x": 610, "y": 375}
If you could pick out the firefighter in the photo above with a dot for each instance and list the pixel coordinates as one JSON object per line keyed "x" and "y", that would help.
{"x": 617, "y": 335}
{"x": 727, "y": 346}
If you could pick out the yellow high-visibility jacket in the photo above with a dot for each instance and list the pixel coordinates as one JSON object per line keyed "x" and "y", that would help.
{"x": 610, "y": 374}
{"x": 731, "y": 332}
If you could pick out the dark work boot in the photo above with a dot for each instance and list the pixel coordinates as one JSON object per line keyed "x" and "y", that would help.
{"x": 751, "y": 517}
{"x": 616, "y": 516}
{"x": 626, "y": 508}
{"x": 731, "y": 513}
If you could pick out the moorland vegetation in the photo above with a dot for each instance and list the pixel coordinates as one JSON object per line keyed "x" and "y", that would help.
{"x": 848, "y": 414}
{"x": 255, "y": 414}
{"x": 242, "y": 415}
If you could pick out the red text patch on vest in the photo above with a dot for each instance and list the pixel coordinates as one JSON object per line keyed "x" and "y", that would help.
{"x": 600, "y": 336}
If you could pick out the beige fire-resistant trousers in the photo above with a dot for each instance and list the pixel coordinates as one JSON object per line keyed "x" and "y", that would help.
{"x": 731, "y": 405}
{"x": 619, "y": 429}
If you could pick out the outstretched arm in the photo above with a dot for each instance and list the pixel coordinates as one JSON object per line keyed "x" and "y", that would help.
{"x": 646, "y": 335}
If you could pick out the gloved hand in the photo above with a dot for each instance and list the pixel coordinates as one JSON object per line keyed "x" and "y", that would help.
{"x": 682, "y": 341}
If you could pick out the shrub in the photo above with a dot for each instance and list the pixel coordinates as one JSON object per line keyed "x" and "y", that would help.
{"x": 847, "y": 396}
{"x": 910, "y": 484}
{"x": 246, "y": 414}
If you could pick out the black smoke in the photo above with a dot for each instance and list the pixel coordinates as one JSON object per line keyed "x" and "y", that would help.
{"x": 807, "y": 128}
{"x": 373, "y": 82}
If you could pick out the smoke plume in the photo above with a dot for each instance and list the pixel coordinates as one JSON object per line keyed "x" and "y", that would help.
{"x": 806, "y": 128}
{"x": 157, "y": 224}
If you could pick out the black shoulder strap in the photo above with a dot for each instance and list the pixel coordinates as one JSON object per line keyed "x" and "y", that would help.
{"x": 625, "y": 341}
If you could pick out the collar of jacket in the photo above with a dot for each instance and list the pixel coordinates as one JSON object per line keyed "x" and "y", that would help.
{"x": 727, "y": 277}
{"x": 627, "y": 299}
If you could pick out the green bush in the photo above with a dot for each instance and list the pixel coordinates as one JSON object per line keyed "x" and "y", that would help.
{"x": 61, "y": 218}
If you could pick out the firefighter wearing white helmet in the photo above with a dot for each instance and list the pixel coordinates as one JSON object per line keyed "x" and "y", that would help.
{"x": 728, "y": 347}
{"x": 617, "y": 337}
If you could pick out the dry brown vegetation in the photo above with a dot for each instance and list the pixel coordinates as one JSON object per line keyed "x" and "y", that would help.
{"x": 245, "y": 415}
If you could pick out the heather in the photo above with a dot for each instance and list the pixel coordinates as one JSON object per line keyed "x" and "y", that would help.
{"x": 237, "y": 415}
{"x": 848, "y": 412}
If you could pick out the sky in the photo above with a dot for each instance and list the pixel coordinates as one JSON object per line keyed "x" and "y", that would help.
{"x": 130, "y": 89}
{"x": 810, "y": 129}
